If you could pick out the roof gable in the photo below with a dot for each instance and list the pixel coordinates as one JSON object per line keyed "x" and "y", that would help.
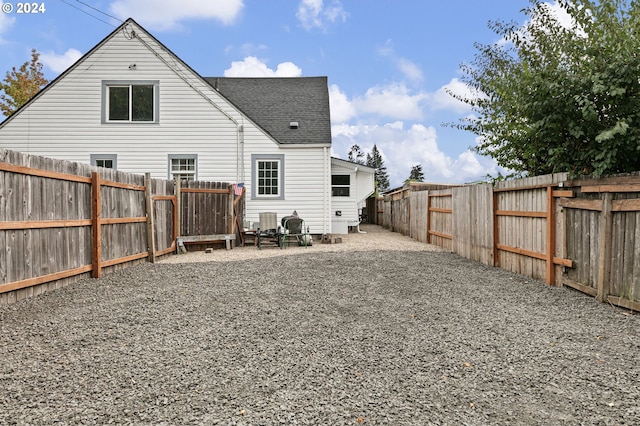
{"x": 273, "y": 103}
{"x": 131, "y": 29}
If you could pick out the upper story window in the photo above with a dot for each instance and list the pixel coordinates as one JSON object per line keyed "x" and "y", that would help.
{"x": 130, "y": 101}
{"x": 340, "y": 185}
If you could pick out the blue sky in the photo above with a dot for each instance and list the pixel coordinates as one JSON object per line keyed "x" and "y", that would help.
{"x": 388, "y": 62}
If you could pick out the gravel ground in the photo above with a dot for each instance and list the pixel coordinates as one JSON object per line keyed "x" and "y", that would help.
{"x": 328, "y": 336}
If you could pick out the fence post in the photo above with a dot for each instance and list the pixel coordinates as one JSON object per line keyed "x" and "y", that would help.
{"x": 151, "y": 223}
{"x": 230, "y": 221}
{"x": 428, "y": 217}
{"x": 96, "y": 227}
{"x": 551, "y": 236}
{"x": 604, "y": 247}
{"x": 176, "y": 180}
{"x": 496, "y": 228}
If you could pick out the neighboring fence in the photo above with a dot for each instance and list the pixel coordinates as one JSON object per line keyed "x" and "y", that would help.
{"x": 62, "y": 221}
{"x": 580, "y": 233}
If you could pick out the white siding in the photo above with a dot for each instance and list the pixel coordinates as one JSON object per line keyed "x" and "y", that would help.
{"x": 65, "y": 122}
{"x": 361, "y": 186}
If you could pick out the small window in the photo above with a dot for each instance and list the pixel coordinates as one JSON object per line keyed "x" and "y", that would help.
{"x": 268, "y": 176}
{"x": 183, "y": 167}
{"x": 340, "y": 185}
{"x": 108, "y": 161}
{"x": 127, "y": 102}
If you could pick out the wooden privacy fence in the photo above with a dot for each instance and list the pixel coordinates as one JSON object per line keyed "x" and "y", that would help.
{"x": 62, "y": 221}
{"x": 580, "y": 233}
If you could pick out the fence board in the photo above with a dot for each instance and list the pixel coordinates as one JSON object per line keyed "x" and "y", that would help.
{"x": 473, "y": 223}
{"x": 419, "y": 215}
{"x": 48, "y": 222}
{"x": 441, "y": 218}
{"x": 545, "y": 227}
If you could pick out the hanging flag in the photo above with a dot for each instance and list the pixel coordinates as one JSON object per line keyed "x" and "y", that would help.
{"x": 238, "y": 187}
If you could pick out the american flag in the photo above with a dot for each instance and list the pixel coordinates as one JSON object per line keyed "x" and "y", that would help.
{"x": 238, "y": 187}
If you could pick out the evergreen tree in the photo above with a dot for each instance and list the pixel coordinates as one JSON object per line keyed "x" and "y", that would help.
{"x": 356, "y": 155}
{"x": 375, "y": 161}
{"x": 21, "y": 84}
{"x": 416, "y": 175}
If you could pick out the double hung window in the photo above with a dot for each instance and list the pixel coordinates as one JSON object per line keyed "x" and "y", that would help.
{"x": 130, "y": 101}
{"x": 340, "y": 185}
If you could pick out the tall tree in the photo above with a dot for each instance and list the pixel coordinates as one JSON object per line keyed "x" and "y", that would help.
{"x": 416, "y": 174}
{"x": 356, "y": 155}
{"x": 20, "y": 85}
{"x": 550, "y": 97}
{"x": 375, "y": 160}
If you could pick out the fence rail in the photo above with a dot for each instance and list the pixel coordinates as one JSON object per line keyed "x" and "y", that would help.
{"x": 581, "y": 233}
{"x": 62, "y": 221}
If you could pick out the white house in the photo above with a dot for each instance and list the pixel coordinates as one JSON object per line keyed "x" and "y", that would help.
{"x": 131, "y": 104}
{"x": 351, "y": 185}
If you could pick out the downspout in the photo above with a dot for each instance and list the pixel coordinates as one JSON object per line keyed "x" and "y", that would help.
{"x": 357, "y": 202}
{"x": 240, "y": 153}
{"x": 327, "y": 200}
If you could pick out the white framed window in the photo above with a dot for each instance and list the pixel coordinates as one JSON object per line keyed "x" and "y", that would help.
{"x": 340, "y": 185}
{"x": 108, "y": 161}
{"x": 130, "y": 101}
{"x": 184, "y": 166}
{"x": 268, "y": 176}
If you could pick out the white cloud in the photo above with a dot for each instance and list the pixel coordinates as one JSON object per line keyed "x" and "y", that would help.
{"x": 254, "y": 67}
{"x": 401, "y": 148}
{"x": 442, "y": 100}
{"x": 410, "y": 70}
{"x": 314, "y": 13}
{"x": 6, "y": 21}
{"x": 60, "y": 63}
{"x": 342, "y": 110}
{"x": 392, "y": 101}
{"x": 166, "y": 14}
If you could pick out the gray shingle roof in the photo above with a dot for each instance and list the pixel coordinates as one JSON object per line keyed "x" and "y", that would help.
{"x": 274, "y": 102}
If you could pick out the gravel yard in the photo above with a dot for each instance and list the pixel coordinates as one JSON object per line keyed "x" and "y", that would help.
{"x": 379, "y": 330}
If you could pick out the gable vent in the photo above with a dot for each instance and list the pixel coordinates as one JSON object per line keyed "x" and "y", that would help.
{"x": 293, "y": 125}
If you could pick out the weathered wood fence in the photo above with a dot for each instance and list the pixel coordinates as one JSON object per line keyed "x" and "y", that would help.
{"x": 580, "y": 233}
{"x": 63, "y": 221}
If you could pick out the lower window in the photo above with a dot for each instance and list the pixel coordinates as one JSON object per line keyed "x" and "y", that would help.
{"x": 108, "y": 161}
{"x": 340, "y": 185}
{"x": 268, "y": 176}
{"x": 183, "y": 167}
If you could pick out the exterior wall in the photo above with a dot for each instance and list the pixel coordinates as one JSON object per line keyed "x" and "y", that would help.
{"x": 65, "y": 122}
{"x": 361, "y": 186}
{"x": 305, "y": 187}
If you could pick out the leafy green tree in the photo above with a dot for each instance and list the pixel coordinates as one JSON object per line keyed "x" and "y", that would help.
{"x": 21, "y": 84}
{"x": 356, "y": 155}
{"x": 416, "y": 174}
{"x": 551, "y": 98}
{"x": 375, "y": 160}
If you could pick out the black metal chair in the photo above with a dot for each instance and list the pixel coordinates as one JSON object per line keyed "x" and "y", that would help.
{"x": 293, "y": 227}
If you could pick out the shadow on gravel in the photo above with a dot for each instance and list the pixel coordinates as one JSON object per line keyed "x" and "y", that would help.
{"x": 401, "y": 338}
